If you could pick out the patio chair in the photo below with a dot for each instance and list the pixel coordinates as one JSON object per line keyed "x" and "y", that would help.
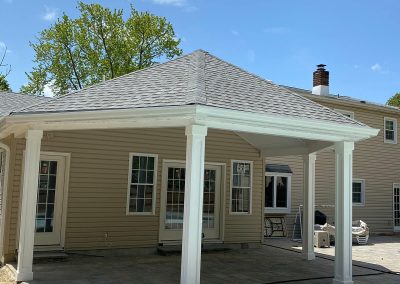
{"x": 360, "y": 231}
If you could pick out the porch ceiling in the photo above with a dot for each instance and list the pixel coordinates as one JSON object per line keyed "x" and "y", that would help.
{"x": 271, "y": 146}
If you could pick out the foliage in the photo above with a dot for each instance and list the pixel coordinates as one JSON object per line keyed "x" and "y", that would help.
{"x": 99, "y": 44}
{"x": 4, "y": 86}
{"x": 395, "y": 100}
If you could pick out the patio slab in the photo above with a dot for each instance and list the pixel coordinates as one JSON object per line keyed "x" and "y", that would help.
{"x": 265, "y": 265}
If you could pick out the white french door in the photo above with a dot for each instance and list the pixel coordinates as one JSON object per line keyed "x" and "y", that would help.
{"x": 49, "y": 200}
{"x": 172, "y": 201}
{"x": 396, "y": 207}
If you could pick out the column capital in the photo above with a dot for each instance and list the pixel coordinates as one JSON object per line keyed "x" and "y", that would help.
{"x": 310, "y": 157}
{"x": 34, "y": 134}
{"x": 196, "y": 130}
{"x": 344, "y": 146}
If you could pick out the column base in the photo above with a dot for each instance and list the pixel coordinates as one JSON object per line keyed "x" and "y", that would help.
{"x": 308, "y": 255}
{"x": 23, "y": 276}
{"x": 336, "y": 281}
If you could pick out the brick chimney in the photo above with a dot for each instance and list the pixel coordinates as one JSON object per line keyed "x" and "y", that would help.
{"x": 320, "y": 81}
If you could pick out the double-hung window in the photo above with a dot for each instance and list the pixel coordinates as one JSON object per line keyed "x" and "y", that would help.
{"x": 358, "y": 192}
{"x": 142, "y": 183}
{"x": 241, "y": 186}
{"x": 390, "y": 126}
{"x": 277, "y": 189}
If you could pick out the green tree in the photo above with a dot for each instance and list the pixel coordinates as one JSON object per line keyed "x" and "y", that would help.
{"x": 4, "y": 86}
{"x": 76, "y": 53}
{"x": 395, "y": 100}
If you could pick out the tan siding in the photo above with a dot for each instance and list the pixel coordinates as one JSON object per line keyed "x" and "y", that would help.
{"x": 99, "y": 176}
{"x": 374, "y": 161}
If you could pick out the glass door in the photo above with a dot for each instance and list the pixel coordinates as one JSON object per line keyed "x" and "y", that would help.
{"x": 396, "y": 207}
{"x": 173, "y": 196}
{"x": 49, "y": 200}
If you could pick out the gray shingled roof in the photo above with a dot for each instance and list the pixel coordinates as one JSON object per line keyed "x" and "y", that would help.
{"x": 11, "y": 102}
{"x": 341, "y": 98}
{"x": 198, "y": 78}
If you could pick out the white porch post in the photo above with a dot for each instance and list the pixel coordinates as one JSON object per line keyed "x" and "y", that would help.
{"x": 193, "y": 211}
{"x": 308, "y": 206}
{"x": 343, "y": 212}
{"x": 28, "y": 207}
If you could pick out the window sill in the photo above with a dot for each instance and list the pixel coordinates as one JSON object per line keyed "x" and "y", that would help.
{"x": 240, "y": 213}
{"x": 140, "y": 214}
{"x": 358, "y": 204}
{"x": 276, "y": 210}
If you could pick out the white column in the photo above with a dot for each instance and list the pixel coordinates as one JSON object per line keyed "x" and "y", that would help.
{"x": 343, "y": 212}
{"x": 308, "y": 206}
{"x": 28, "y": 206}
{"x": 193, "y": 212}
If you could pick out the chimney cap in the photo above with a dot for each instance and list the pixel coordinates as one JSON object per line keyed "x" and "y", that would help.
{"x": 321, "y": 66}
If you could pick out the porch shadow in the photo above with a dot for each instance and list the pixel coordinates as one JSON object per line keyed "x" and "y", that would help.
{"x": 264, "y": 265}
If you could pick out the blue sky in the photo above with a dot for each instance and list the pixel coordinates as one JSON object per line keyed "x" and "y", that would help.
{"x": 280, "y": 40}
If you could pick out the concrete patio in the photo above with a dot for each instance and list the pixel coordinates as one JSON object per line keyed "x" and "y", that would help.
{"x": 279, "y": 261}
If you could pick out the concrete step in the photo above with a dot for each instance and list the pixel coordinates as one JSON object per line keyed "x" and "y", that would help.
{"x": 49, "y": 256}
{"x": 166, "y": 250}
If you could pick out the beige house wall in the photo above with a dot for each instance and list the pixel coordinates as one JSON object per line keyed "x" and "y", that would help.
{"x": 98, "y": 185}
{"x": 376, "y": 162}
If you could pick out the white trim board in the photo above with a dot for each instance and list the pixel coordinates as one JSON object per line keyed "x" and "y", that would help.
{"x": 212, "y": 117}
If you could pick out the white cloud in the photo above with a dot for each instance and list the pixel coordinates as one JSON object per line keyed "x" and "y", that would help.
{"x": 251, "y": 55}
{"x": 47, "y": 92}
{"x": 376, "y": 67}
{"x": 50, "y": 15}
{"x": 275, "y": 30}
{"x": 179, "y": 3}
{"x": 235, "y": 32}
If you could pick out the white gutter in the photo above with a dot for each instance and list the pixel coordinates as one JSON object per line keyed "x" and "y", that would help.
{"x": 233, "y": 120}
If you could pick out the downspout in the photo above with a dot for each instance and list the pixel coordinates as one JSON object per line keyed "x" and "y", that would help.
{"x": 4, "y": 202}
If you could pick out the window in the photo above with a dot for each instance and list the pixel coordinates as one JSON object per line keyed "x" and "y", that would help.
{"x": 358, "y": 192}
{"x": 142, "y": 183}
{"x": 347, "y": 113}
{"x": 390, "y": 135}
{"x": 241, "y": 181}
{"x": 277, "y": 189}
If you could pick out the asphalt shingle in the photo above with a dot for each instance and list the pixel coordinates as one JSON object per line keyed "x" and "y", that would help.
{"x": 198, "y": 78}
{"x": 11, "y": 102}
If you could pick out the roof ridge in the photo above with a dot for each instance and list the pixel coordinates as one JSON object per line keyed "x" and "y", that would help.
{"x": 196, "y": 81}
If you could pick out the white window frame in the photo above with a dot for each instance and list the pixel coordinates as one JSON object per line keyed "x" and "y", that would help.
{"x": 394, "y": 128}
{"x": 275, "y": 209}
{"x": 155, "y": 156}
{"x": 346, "y": 112}
{"x": 362, "y": 181}
{"x": 250, "y": 189}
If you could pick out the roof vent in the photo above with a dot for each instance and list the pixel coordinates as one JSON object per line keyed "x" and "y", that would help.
{"x": 321, "y": 81}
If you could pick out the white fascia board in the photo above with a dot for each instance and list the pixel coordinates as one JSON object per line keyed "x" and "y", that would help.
{"x": 180, "y": 116}
{"x": 281, "y": 125}
{"x": 102, "y": 119}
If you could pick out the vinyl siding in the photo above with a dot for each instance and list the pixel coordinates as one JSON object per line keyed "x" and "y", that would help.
{"x": 98, "y": 183}
{"x": 374, "y": 161}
